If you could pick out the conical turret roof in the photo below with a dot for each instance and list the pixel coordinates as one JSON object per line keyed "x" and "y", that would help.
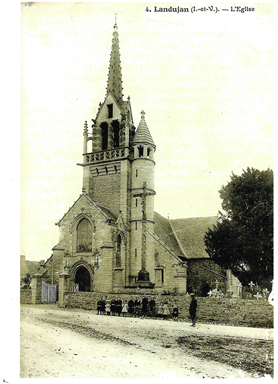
{"x": 142, "y": 134}
{"x": 114, "y": 83}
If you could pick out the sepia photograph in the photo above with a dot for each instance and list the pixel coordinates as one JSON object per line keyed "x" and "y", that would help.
{"x": 146, "y": 191}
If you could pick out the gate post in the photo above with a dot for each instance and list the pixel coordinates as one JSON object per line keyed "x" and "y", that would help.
{"x": 36, "y": 285}
{"x": 63, "y": 287}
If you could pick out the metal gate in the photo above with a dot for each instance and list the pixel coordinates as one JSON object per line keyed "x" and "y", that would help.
{"x": 49, "y": 293}
{"x": 74, "y": 287}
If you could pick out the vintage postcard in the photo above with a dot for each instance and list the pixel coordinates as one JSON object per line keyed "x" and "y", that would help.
{"x": 146, "y": 190}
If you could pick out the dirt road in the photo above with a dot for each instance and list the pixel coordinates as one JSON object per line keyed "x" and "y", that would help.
{"x": 60, "y": 343}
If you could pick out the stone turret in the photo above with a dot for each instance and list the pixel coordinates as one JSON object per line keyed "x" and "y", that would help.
{"x": 142, "y": 204}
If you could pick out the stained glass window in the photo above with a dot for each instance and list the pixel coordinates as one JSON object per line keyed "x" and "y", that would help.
{"x": 84, "y": 236}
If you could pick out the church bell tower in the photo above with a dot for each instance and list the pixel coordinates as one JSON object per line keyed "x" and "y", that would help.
{"x": 118, "y": 172}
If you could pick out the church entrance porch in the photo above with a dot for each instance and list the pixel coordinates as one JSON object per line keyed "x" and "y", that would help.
{"x": 81, "y": 277}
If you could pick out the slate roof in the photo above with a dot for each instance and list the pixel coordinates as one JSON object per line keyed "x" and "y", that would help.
{"x": 33, "y": 266}
{"x": 191, "y": 234}
{"x": 164, "y": 232}
{"x": 107, "y": 213}
{"x": 142, "y": 134}
{"x": 30, "y": 266}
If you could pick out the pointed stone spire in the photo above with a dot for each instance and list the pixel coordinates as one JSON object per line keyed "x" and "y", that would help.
{"x": 114, "y": 83}
{"x": 143, "y": 135}
{"x": 85, "y": 130}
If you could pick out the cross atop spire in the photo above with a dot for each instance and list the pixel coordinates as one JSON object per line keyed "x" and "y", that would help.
{"x": 114, "y": 83}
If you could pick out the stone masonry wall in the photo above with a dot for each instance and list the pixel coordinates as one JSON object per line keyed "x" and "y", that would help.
{"x": 26, "y": 296}
{"x": 106, "y": 191}
{"x": 250, "y": 313}
{"x": 173, "y": 273}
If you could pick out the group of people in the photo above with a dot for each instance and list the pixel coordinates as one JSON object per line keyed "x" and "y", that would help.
{"x": 142, "y": 307}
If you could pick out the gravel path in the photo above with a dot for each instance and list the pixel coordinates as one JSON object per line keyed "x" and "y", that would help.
{"x": 65, "y": 343}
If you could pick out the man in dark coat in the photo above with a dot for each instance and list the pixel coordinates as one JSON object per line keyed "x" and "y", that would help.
{"x": 193, "y": 309}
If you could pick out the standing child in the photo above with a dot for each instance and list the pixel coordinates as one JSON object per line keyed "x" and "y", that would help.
{"x": 124, "y": 309}
{"x": 166, "y": 311}
{"x": 175, "y": 313}
{"x": 99, "y": 304}
{"x": 107, "y": 307}
{"x": 160, "y": 310}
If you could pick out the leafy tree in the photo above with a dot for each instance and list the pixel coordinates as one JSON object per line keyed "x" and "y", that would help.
{"x": 242, "y": 239}
{"x": 26, "y": 281}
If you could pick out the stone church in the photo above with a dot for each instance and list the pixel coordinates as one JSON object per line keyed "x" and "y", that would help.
{"x": 111, "y": 240}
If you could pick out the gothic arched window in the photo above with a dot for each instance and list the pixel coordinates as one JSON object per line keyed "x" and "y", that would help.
{"x": 84, "y": 236}
{"x": 118, "y": 251}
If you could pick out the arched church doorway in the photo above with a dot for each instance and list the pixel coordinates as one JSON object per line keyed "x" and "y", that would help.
{"x": 83, "y": 279}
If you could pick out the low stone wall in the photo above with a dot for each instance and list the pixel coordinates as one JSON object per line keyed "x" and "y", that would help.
{"x": 26, "y": 296}
{"x": 250, "y": 313}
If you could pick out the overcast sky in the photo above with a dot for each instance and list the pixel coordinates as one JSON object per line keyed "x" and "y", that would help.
{"x": 204, "y": 80}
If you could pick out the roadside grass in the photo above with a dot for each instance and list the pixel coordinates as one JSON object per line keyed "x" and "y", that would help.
{"x": 251, "y": 355}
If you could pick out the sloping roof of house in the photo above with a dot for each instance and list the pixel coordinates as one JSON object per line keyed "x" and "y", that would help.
{"x": 32, "y": 267}
{"x": 191, "y": 234}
